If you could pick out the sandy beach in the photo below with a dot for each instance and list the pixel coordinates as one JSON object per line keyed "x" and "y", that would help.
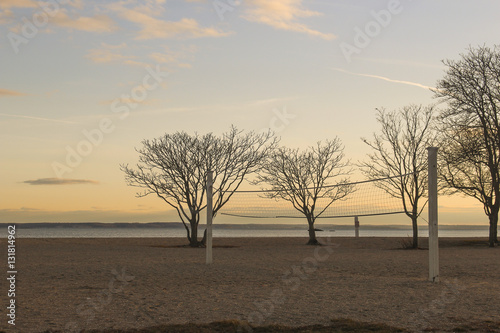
{"x": 76, "y": 284}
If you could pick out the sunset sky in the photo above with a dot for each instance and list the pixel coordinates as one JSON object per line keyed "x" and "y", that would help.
{"x": 83, "y": 82}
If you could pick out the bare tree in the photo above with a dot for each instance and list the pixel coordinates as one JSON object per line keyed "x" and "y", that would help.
{"x": 304, "y": 178}
{"x": 400, "y": 150}
{"x": 175, "y": 168}
{"x": 471, "y": 129}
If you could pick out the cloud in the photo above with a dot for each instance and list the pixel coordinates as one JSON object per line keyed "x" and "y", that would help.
{"x": 6, "y": 4}
{"x": 6, "y": 16}
{"x": 152, "y": 27}
{"x": 176, "y": 58}
{"x": 59, "y": 181}
{"x": 105, "y": 55}
{"x": 98, "y": 23}
{"x": 52, "y": 92}
{"x": 185, "y": 28}
{"x": 387, "y": 79}
{"x": 109, "y": 53}
{"x": 283, "y": 15}
{"x": 114, "y": 47}
{"x": 115, "y": 53}
{"x": 29, "y": 209}
{"x": 5, "y": 92}
{"x": 163, "y": 58}
{"x": 136, "y": 63}
{"x": 101, "y": 56}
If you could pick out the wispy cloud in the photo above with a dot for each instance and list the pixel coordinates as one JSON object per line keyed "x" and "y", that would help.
{"x": 28, "y": 209}
{"x": 5, "y": 92}
{"x": 37, "y": 118}
{"x": 59, "y": 181}
{"x": 117, "y": 54}
{"x": 62, "y": 18}
{"x": 113, "y": 54}
{"x": 415, "y": 84}
{"x": 6, "y": 16}
{"x": 7, "y": 4}
{"x": 283, "y": 15}
{"x": 178, "y": 58}
{"x": 106, "y": 55}
{"x": 136, "y": 63}
{"x": 98, "y": 23}
{"x": 152, "y": 27}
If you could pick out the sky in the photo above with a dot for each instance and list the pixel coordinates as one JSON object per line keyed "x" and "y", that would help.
{"x": 82, "y": 83}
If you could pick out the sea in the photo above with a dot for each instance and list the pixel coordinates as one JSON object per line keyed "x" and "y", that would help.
{"x": 174, "y": 230}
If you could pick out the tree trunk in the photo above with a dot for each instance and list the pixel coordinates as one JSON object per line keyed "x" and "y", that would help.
{"x": 193, "y": 242}
{"x": 493, "y": 238}
{"x": 414, "y": 225}
{"x": 187, "y": 231}
{"x": 204, "y": 239}
{"x": 312, "y": 233}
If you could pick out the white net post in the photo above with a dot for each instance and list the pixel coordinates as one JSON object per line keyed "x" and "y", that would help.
{"x": 433, "y": 216}
{"x": 356, "y": 227}
{"x": 209, "y": 216}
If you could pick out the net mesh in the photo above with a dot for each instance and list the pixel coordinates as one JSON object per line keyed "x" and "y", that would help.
{"x": 366, "y": 199}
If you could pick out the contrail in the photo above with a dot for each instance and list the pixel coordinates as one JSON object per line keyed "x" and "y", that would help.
{"x": 387, "y": 79}
{"x": 38, "y": 118}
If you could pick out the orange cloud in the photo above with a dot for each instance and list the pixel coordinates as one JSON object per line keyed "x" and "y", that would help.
{"x": 109, "y": 53}
{"x": 105, "y": 55}
{"x": 178, "y": 58}
{"x": 283, "y": 15}
{"x": 6, "y": 16}
{"x": 98, "y": 23}
{"x": 152, "y": 27}
{"x": 5, "y": 92}
{"x": 6, "y": 4}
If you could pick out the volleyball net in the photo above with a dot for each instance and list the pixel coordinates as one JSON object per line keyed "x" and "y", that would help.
{"x": 365, "y": 198}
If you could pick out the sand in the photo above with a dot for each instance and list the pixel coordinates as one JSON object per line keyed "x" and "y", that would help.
{"x": 75, "y": 284}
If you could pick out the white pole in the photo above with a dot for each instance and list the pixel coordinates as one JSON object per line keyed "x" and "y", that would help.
{"x": 356, "y": 227}
{"x": 433, "y": 216}
{"x": 209, "y": 216}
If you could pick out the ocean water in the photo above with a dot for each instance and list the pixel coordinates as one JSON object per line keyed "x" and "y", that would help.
{"x": 254, "y": 231}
